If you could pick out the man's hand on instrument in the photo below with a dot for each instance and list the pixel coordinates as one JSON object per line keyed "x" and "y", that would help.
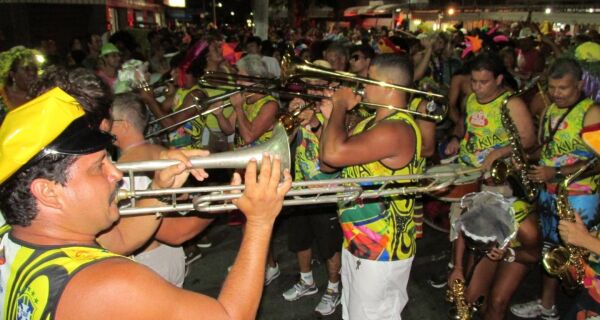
{"x": 541, "y": 173}
{"x": 216, "y": 108}
{"x": 345, "y": 98}
{"x": 489, "y": 160}
{"x": 456, "y": 273}
{"x": 237, "y": 100}
{"x": 263, "y": 196}
{"x": 176, "y": 175}
{"x": 574, "y": 233}
{"x": 452, "y": 147}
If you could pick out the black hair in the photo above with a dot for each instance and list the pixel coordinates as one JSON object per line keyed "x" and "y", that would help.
{"x": 82, "y": 84}
{"x": 254, "y": 39}
{"x": 366, "y": 50}
{"x": 197, "y": 66}
{"x": 17, "y": 203}
{"x": 563, "y": 67}
{"x": 395, "y": 62}
{"x": 490, "y": 61}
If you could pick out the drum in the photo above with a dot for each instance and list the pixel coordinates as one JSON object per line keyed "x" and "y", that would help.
{"x": 464, "y": 184}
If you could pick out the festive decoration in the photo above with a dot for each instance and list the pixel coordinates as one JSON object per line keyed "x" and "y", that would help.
{"x": 387, "y": 46}
{"x": 588, "y": 56}
{"x": 131, "y": 75}
{"x": 190, "y": 56}
{"x": 472, "y": 44}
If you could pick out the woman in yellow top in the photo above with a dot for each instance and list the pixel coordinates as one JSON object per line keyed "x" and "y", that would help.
{"x": 254, "y": 114}
{"x": 18, "y": 70}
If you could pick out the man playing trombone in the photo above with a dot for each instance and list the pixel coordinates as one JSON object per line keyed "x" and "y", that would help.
{"x": 58, "y": 199}
{"x": 379, "y": 235}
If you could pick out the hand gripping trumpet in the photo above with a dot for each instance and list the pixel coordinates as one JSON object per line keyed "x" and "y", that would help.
{"x": 218, "y": 198}
{"x": 567, "y": 262}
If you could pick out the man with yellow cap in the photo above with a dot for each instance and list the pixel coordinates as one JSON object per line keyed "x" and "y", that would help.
{"x": 58, "y": 191}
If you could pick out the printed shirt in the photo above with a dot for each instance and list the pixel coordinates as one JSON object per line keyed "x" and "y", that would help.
{"x": 190, "y": 133}
{"x": 591, "y": 279}
{"x": 484, "y": 130}
{"x": 251, "y": 111}
{"x": 307, "y": 163}
{"x": 567, "y": 147}
{"x": 381, "y": 229}
{"x": 32, "y": 278}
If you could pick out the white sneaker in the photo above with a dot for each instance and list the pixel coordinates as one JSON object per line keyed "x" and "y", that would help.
{"x": 328, "y": 303}
{"x": 299, "y": 290}
{"x": 271, "y": 274}
{"x": 534, "y": 309}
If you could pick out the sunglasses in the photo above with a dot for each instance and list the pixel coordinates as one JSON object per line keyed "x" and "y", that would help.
{"x": 356, "y": 57}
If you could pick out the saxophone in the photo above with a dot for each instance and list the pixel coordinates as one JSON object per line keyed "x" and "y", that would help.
{"x": 504, "y": 171}
{"x": 567, "y": 262}
{"x": 461, "y": 309}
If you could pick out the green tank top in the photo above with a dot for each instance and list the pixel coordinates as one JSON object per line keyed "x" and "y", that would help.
{"x": 33, "y": 278}
{"x": 381, "y": 229}
{"x": 484, "y": 131}
{"x": 252, "y": 110}
{"x": 210, "y": 121}
{"x": 566, "y": 146}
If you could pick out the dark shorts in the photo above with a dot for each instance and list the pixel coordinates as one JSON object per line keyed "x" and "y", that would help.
{"x": 315, "y": 223}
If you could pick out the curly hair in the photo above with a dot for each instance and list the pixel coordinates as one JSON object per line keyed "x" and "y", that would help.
{"x": 17, "y": 203}
{"x": 12, "y": 58}
{"x": 90, "y": 91}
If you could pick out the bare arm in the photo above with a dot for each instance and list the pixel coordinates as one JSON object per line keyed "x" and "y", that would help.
{"x": 177, "y": 230}
{"x": 389, "y": 141}
{"x": 122, "y": 289}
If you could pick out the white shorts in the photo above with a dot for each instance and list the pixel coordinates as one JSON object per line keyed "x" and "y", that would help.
{"x": 373, "y": 289}
{"x": 167, "y": 261}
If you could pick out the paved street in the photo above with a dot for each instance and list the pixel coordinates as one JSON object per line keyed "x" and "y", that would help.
{"x": 207, "y": 274}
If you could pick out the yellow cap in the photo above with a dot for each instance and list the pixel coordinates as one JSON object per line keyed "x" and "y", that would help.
{"x": 28, "y": 129}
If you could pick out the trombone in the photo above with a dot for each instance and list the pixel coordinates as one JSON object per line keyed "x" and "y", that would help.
{"x": 217, "y": 198}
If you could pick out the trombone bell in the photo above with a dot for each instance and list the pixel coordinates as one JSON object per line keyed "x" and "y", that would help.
{"x": 277, "y": 145}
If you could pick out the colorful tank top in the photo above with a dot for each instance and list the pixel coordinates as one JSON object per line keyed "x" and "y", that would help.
{"x": 252, "y": 110}
{"x": 591, "y": 279}
{"x": 381, "y": 229}
{"x": 32, "y": 278}
{"x": 210, "y": 121}
{"x": 307, "y": 163}
{"x": 484, "y": 131}
{"x": 567, "y": 147}
{"x": 190, "y": 133}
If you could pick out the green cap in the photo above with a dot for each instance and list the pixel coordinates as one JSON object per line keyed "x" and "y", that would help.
{"x": 108, "y": 48}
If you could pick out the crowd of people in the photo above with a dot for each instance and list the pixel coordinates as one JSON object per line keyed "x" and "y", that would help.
{"x": 511, "y": 91}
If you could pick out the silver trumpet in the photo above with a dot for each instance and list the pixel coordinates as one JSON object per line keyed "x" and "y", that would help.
{"x": 218, "y": 198}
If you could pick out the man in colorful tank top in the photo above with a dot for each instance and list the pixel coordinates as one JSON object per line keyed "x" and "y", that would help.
{"x": 562, "y": 154}
{"x": 58, "y": 191}
{"x": 379, "y": 234}
{"x": 484, "y": 141}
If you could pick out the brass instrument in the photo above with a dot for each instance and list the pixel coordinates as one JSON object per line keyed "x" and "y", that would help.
{"x": 461, "y": 309}
{"x": 504, "y": 171}
{"x": 202, "y": 109}
{"x": 567, "y": 262}
{"x": 218, "y": 198}
{"x": 290, "y": 120}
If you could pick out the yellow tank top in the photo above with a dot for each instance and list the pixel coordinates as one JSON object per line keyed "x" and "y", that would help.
{"x": 252, "y": 110}
{"x": 566, "y": 146}
{"x": 381, "y": 229}
{"x": 188, "y": 135}
{"x": 484, "y": 131}
{"x": 210, "y": 121}
{"x": 32, "y": 278}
